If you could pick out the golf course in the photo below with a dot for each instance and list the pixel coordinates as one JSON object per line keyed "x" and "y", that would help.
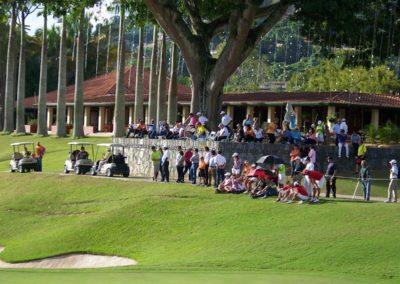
{"x": 185, "y": 233}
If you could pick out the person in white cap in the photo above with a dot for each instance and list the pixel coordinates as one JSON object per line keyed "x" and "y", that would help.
{"x": 343, "y": 126}
{"x": 165, "y": 164}
{"x": 225, "y": 119}
{"x": 201, "y": 118}
{"x": 222, "y": 133}
{"x": 237, "y": 164}
{"x": 392, "y": 189}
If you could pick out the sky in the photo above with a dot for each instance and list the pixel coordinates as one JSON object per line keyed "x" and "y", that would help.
{"x": 36, "y": 22}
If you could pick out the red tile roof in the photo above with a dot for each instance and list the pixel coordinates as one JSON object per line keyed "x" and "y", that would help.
{"x": 101, "y": 90}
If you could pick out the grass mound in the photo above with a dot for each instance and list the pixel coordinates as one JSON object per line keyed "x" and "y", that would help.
{"x": 170, "y": 227}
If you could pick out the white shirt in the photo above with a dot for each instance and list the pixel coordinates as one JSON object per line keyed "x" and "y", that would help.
{"x": 343, "y": 126}
{"x": 220, "y": 160}
{"x": 226, "y": 119}
{"x": 166, "y": 155}
{"x": 207, "y": 157}
{"x": 203, "y": 120}
{"x": 310, "y": 166}
{"x": 213, "y": 161}
{"x": 336, "y": 128}
{"x": 223, "y": 132}
{"x": 394, "y": 171}
{"x": 258, "y": 133}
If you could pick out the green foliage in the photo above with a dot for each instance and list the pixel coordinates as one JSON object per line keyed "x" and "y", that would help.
{"x": 371, "y": 133}
{"x": 389, "y": 133}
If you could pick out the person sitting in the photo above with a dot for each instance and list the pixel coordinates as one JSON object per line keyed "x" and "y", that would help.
{"x": 248, "y": 121}
{"x": 176, "y": 130}
{"x": 141, "y": 129}
{"x": 226, "y": 185}
{"x": 239, "y": 133}
{"x": 223, "y": 133}
{"x": 266, "y": 187}
{"x": 131, "y": 129}
{"x": 311, "y": 138}
{"x": 201, "y": 118}
{"x": 284, "y": 192}
{"x": 152, "y": 130}
{"x": 82, "y": 155}
{"x": 296, "y": 135}
{"x": 286, "y": 136}
{"x": 104, "y": 158}
{"x": 258, "y": 132}
{"x": 26, "y": 153}
{"x": 200, "y": 133}
{"x": 163, "y": 128}
{"x": 249, "y": 134}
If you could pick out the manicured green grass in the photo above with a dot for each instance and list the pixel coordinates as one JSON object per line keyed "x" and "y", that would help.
{"x": 56, "y": 149}
{"x": 189, "y": 228}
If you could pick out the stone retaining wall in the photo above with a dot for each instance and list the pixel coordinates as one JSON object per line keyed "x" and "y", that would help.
{"x": 138, "y": 153}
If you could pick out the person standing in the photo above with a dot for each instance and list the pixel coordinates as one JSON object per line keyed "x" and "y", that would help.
{"x": 212, "y": 169}
{"x": 293, "y": 155}
{"x": 307, "y": 182}
{"x": 207, "y": 157}
{"x": 225, "y": 120}
{"x": 180, "y": 163}
{"x": 188, "y": 162}
{"x": 342, "y": 141}
{"x": 317, "y": 180}
{"x": 221, "y": 162}
{"x": 320, "y": 131}
{"x": 165, "y": 164}
{"x": 392, "y": 189}
{"x": 355, "y": 139}
{"x": 361, "y": 152}
{"x": 271, "y": 129}
{"x": 40, "y": 151}
{"x": 365, "y": 178}
{"x": 155, "y": 157}
{"x": 195, "y": 159}
{"x": 330, "y": 175}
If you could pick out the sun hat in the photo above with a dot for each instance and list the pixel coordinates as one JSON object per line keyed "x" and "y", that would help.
{"x": 235, "y": 154}
{"x": 198, "y": 113}
{"x": 227, "y": 174}
{"x": 393, "y": 162}
{"x": 222, "y": 112}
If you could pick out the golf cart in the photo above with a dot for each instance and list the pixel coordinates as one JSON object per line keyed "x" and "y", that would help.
{"x": 112, "y": 162}
{"x": 22, "y": 159}
{"x": 78, "y": 161}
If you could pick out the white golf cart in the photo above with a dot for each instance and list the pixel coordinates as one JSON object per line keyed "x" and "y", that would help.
{"x": 21, "y": 159}
{"x": 78, "y": 161}
{"x": 112, "y": 162}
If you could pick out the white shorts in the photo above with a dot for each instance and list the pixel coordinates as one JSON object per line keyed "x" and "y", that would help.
{"x": 281, "y": 178}
{"x": 302, "y": 197}
{"x": 235, "y": 171}
{"x": 253, "y": 179}
{"x": 320, "y": 182}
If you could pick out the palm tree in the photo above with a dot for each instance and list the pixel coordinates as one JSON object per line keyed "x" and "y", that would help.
{"x": 138, "y": 113}
{"x": 162, "y": 78}
{"x": 20, "y": 127}
{"x": 9, "y": 93}
{"x": 119, "y": 111}
{"x": 42, "y": 123}
{"x": 78, "y": 101}
{"x": 173, "y": 86}
{"x": 62, "y": 81}
{"x": 153, "y": 77}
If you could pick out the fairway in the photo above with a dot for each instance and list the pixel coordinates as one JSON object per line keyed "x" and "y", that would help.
{"x": 190, "y": 232}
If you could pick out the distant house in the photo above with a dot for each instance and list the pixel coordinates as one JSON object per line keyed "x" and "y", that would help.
{"x": 360, "y": 110}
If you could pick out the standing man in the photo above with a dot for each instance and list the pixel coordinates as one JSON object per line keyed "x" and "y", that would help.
{"x": 201, "y": 118}
{"x": 207, "y": 158}
{"x": 392, "y": 189}
{"x": 307, "y": 181}
{"x": 330, "y": 175}
{"x": 155, "y": 157}
{"x": 365, "y": 178}
{"x": 317, "y": 180}
{"x": 212, "y": 169}
{"x": 221, "y": 162}
{"x": 40, "y": 151}
{"x": 225, "y": 119}
{"x": 195, "y": 159}
{"x": 188, "y": 162}
{"x": 165, "y": 164}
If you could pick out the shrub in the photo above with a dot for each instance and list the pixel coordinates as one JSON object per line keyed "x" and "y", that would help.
{"x": 388, "y": 133}
{"x": 371, "y": 133}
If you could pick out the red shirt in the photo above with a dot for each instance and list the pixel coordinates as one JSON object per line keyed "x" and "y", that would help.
{"x": 187, "y": 156}
{"x": 39, "y": 151}
{"x": 315, "y": 175}
{"x": 301, "y": 189}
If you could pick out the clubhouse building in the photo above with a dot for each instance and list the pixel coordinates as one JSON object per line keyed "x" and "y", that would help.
{"x": 359, "y": 109}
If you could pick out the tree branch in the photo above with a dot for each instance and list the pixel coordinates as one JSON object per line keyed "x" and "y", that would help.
{"x": 194, "y": 14}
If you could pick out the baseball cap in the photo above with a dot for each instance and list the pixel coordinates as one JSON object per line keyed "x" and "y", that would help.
{"x": 296, "y": 183}
{"x": 228, "y": 174}
{"x": 222, "y": 112}
{"x": 393, "y": 162}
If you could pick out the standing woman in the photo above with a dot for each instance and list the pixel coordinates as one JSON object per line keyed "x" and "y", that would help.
{"x": 180, "y": 164}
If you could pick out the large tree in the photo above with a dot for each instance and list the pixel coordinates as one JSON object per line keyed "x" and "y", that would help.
{"x": 193, "y": 25}
{"x": 62, "y": 81}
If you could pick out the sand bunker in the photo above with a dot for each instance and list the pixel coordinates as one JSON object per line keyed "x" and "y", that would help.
{"x": 71, "y": 261}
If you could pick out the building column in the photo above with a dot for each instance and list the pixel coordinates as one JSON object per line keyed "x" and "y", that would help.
{"x": 331, "y": 113}
{"x": 375, "y": 118}
{"x": 70, "y": 114}
{"x": 146, "y": 113}
{"x": 185, "y": 112}
{"x": 131, "y": 114}
{"x": 297, "y": 110}
{"x": 250, "y": 110}
{"x": 86, "y": 119}
{"x": 271, "y": 114}
{"x": 229, "y": 111}
{"x": 49, "y": 117}
{"x": 102, "y": 114}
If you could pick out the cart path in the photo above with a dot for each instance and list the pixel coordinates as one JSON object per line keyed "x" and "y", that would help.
{"x": 72, "y": 261}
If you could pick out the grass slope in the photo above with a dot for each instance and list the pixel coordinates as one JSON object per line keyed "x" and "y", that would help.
{"x": 175, "y": 228}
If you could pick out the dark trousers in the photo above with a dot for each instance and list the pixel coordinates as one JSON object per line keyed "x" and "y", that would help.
{"x": 187, "y": 168}
{"x": 220, "y": 175}
{"x": 355, "y": 147}
{"x": 181, "y": 176}
{"x": 165, "y": 171}
{"x": 271, "y": 138}
{"x": 330, "y": 185}
{"x": 206, "y": 175}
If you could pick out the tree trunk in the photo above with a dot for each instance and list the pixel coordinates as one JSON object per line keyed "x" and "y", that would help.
{"x": 62, "y": 81}
{"x": 138, "y": 112}
{"x": 42, "y": 122}
{"x": 173, "y": 87}
{"x": 20, "y": 128}
{"x": 119, "y": 111}
{"x": 9, "y": 92}
{"x": 153, "y": 78}
{"x": 78, "y": 102}
{"x": 162, "y": 78}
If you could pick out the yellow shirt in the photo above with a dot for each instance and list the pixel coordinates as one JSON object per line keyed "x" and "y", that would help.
{"x": 362, "y": 149}
{"x": 201, "y": 130}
